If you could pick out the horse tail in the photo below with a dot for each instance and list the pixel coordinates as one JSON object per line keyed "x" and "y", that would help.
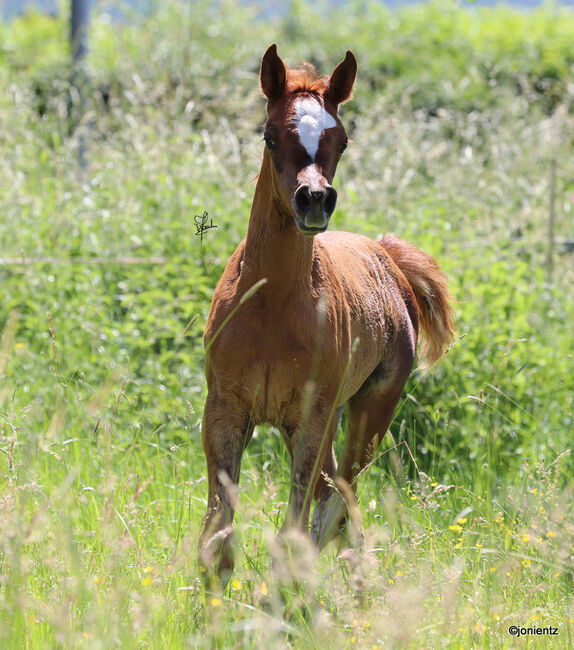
{"x": 432, "y": 295}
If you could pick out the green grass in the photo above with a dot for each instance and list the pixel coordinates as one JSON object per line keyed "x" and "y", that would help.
{"x": 467, "y": 509}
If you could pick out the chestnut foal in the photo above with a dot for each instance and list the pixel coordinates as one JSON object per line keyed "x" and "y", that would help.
{"x": 333, "y": 320}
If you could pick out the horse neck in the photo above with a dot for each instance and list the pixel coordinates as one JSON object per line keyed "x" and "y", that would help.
{"x": 274, "y": 248}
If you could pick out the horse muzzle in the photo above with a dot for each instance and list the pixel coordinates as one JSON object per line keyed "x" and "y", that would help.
{"x": 313, "y": 208}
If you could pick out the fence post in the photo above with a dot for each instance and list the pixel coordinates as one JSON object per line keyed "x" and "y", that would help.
{"x": 551, "y": 218}
{"x": 79, "y": 18}
{"x": 78, "y": 28}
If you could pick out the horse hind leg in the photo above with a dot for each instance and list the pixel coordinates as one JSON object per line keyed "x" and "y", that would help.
{"x": 370, "y": 412}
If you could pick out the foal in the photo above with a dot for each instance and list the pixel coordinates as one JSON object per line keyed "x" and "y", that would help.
{"x": 333, "y": 320}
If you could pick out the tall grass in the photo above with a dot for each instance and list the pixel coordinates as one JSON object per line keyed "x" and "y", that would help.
{"x": 468, "y": 507}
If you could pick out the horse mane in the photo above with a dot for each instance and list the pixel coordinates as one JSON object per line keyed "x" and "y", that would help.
{"x": 306, "y": 79}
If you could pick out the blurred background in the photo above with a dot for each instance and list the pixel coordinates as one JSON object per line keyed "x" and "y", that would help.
{"x": 16, "y": 7}
{"x": 462, "y": 142}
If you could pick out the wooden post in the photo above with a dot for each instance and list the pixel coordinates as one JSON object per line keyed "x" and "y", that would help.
{"x": 79, "y": 28}
{"x": 551, "y": 218}
{"x": 79, "y": 17}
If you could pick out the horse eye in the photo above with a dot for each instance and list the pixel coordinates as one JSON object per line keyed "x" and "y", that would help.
{"x": 269, "y": 142}
{"x": 343, "y": 146}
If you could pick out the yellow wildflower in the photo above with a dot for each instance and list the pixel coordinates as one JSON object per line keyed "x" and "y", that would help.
{"x": 480, "y": 628}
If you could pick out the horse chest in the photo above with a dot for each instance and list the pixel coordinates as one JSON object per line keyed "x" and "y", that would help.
{"x": 272, "y": 381}
{"x": 265, "y": 361}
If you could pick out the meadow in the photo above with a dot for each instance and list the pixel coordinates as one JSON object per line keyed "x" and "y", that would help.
{"x": 462, "y": 130}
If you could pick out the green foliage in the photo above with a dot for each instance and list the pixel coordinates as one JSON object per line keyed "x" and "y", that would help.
{"x": 468, "y": 506}
{"x": 34, "y": 41}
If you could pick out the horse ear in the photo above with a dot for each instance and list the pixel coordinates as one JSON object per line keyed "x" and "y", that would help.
{"x": 273, "y": 74}
{"x": 342, "y": 80}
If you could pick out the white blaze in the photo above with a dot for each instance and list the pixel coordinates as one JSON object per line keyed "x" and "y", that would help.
{"x": 311, "y": 119}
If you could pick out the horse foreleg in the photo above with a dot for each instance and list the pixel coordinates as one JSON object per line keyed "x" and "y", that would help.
{"x": 329, "y": 511}
{"x": 312, "y": 452}
{"x": 225, "y": 434}
{"x": 329, "y": 506}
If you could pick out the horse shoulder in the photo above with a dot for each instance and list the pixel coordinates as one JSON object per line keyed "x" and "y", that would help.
{"x": 373, "y": 298}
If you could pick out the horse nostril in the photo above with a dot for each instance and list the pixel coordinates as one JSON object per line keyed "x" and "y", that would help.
{"x": 330, "y": 200}
{"x": 303, "y": 200}
{"x": 307, "y": 201}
